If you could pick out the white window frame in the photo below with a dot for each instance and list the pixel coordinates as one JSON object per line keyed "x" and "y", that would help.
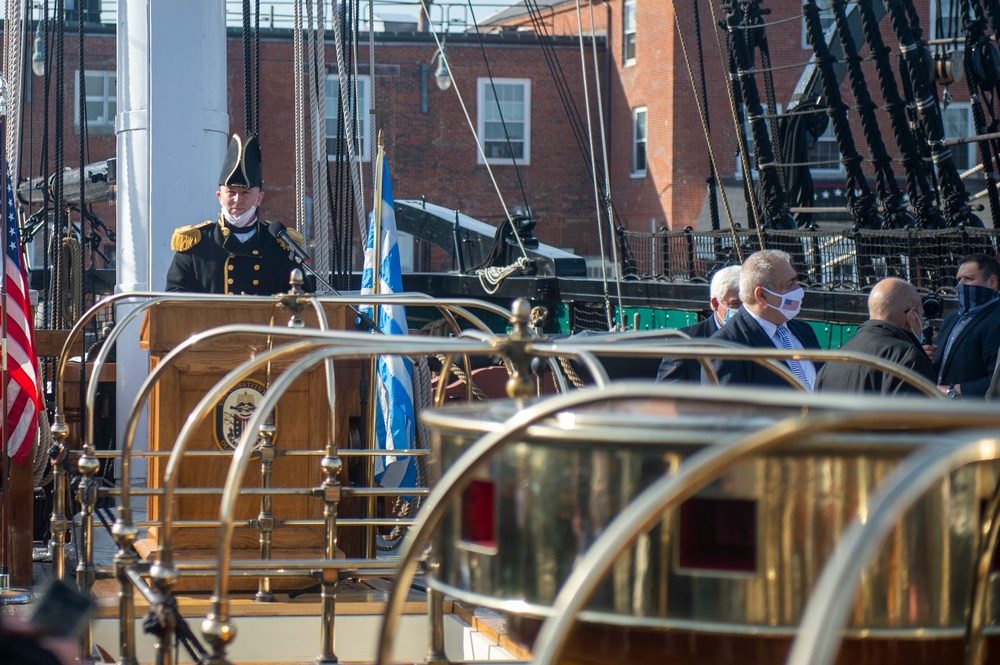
{"x": 826, "y": 20}
{"x": 751, "y": 146}
{"x": 485, "y": 87}
{"x": 362, "y": 141}
{"x": 970, "y": 130}
{"x": 835, "y": 168}
{"x": 629, "y": 30}
{"x": 636, "y": 112}
{"x": 933, "y": 26}
{"x": 104, "y": 124}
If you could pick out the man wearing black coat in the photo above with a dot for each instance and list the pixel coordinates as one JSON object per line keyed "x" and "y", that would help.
{"x": 771, "y": 295}
{"x": 234, "y": 254}
{"x": 965, "y": 352}
{"x": 724, "y": 299}
{"x": 896, "y": 318}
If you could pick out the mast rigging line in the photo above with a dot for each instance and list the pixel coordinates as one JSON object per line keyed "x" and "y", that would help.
{"x": 562, "y": 88}
{"x": 593, "y": 170}
{"x": 503, "y": 121}
{"x": 602, "y": 123}
{"x": 472, "y": 128}
{"x": 703, "y": 116}
{"x": 354, "y": 165}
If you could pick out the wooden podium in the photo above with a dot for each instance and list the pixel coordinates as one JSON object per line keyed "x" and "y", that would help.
{"x": 301, "y": 422}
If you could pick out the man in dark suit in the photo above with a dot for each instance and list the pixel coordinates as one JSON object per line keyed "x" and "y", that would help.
{"x": 236, "y": 253}
{"x": 896, "y": 318}
{"x": 965, "y": 352}
{"x": 772, "y": 297}
{"x": 724, "y": 299}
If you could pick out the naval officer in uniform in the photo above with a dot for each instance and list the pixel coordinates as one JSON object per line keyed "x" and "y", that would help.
{"x": 234, "y": 254}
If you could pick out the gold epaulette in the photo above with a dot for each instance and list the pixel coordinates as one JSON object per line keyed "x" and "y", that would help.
{"x": 186, "y": 237}
{"x": 295, "y": 235}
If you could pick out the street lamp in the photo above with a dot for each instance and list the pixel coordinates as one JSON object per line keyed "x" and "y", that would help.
{"x": 442, "y": 75}
{"x": 38, "y": 51}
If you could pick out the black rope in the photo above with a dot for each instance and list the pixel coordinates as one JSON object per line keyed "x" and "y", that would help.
{"x": 256, "y": 70}
{"x": 860, "y": 200}
{"x": 904, "y": 22}
{"x": 976, "y": 42}
{"x": 247, "y": 72}
{"x": 713, "y": 201}
{"x": 57, "y": 181}
{"x": 773, "y": 198}
{"x": 918, "y": 181}
{"x": 44, "y": 165}
{"x": 889, "y": 194}
{"x": 568, "y": 101}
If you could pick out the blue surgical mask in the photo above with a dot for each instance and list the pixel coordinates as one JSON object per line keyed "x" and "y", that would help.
{"x": 730, "y": 313}
{"x": 970, "y": 296}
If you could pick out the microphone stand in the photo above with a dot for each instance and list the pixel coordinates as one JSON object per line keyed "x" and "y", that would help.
{"x": 365, "y": 319}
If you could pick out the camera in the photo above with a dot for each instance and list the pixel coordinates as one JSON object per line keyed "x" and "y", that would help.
{"x": 932, "y": 306}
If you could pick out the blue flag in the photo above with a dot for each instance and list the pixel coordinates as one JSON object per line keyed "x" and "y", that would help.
{"x": 394, "y": 415}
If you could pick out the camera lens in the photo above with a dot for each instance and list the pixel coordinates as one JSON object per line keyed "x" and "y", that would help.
{"x": 932, "y": 306}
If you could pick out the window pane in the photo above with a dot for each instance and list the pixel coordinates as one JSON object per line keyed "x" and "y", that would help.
{"x": 640, "y": 157}
{"x": 956, "y": 125}
{"x": 359, "y": 128}
{"x": 640, "y": 125}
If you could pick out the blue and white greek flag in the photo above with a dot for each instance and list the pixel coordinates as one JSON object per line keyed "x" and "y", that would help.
{"x": 394, "y": 415}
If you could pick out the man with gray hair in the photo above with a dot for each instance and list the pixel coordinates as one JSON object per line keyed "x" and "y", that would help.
{"x": 891, "y": 333}
{"x": 772, "y": 297}
{"x": 724, "y": 299}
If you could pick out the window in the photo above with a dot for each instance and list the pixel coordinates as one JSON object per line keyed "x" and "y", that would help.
{"x": 361, "y": 128}
{"x": 628, "y": 32}
{"x": 639, "y": 141}
{"x": 824, "y": 154}
{"x": 958, "y": 123}
{"x": 949, "y": 23}
{"x": 102, "y": 102}
{"x": 825, "y": 20}
{"x": 509, "y": 107}
{"x": 751, "y": 148}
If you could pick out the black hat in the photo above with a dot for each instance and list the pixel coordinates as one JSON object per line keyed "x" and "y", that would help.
{"x": 242, "y": 165}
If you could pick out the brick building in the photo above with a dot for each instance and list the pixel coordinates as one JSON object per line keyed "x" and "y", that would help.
{"x": 431, "y": 150}
{"x": 658, "y": 155}
{"x": 658, "y": 152}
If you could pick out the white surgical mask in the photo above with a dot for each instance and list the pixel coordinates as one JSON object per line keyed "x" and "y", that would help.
{"x": 241, "y": 221}
{"x": 790, "y": 303}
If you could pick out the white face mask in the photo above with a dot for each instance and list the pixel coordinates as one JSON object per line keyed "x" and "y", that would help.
{"x": 241, "y": 221}
{"x": 790, "y": 303}
{"x": 919, "y": 331}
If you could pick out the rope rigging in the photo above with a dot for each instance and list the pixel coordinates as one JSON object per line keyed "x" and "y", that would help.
{"x": 891, "y": 197}
{"x": 861, "y": 201}
{"x": 902, "y": 16}
{"x": 919, "y": 185}
{"x": 773, "y": 198}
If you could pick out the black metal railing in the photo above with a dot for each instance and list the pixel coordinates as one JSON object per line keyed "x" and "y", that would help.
{"x": 837, "y": 260}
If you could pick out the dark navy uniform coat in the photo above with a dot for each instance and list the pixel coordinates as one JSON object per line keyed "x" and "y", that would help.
{"x": 211, "y": 259}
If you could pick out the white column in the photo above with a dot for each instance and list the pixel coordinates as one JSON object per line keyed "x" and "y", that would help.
{"x": 172, "y": 128}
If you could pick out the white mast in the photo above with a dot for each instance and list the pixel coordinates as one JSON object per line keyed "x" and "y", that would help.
{"x": 172, "y": 128}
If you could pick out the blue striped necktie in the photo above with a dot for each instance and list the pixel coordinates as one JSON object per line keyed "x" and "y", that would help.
{"x": 794, "y": 365}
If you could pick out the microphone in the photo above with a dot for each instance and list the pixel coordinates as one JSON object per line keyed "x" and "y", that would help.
{"x": 279, "y": 231}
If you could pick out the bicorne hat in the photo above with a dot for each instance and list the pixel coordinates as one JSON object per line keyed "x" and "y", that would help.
{"x": 242, "y": 165}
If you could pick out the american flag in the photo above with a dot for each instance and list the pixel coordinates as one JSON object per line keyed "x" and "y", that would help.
{"x": 22, "y": 377}
{"x": 789, "y": 304}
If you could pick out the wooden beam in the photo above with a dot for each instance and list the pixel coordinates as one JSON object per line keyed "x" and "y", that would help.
{"x": 49, "y": 343}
